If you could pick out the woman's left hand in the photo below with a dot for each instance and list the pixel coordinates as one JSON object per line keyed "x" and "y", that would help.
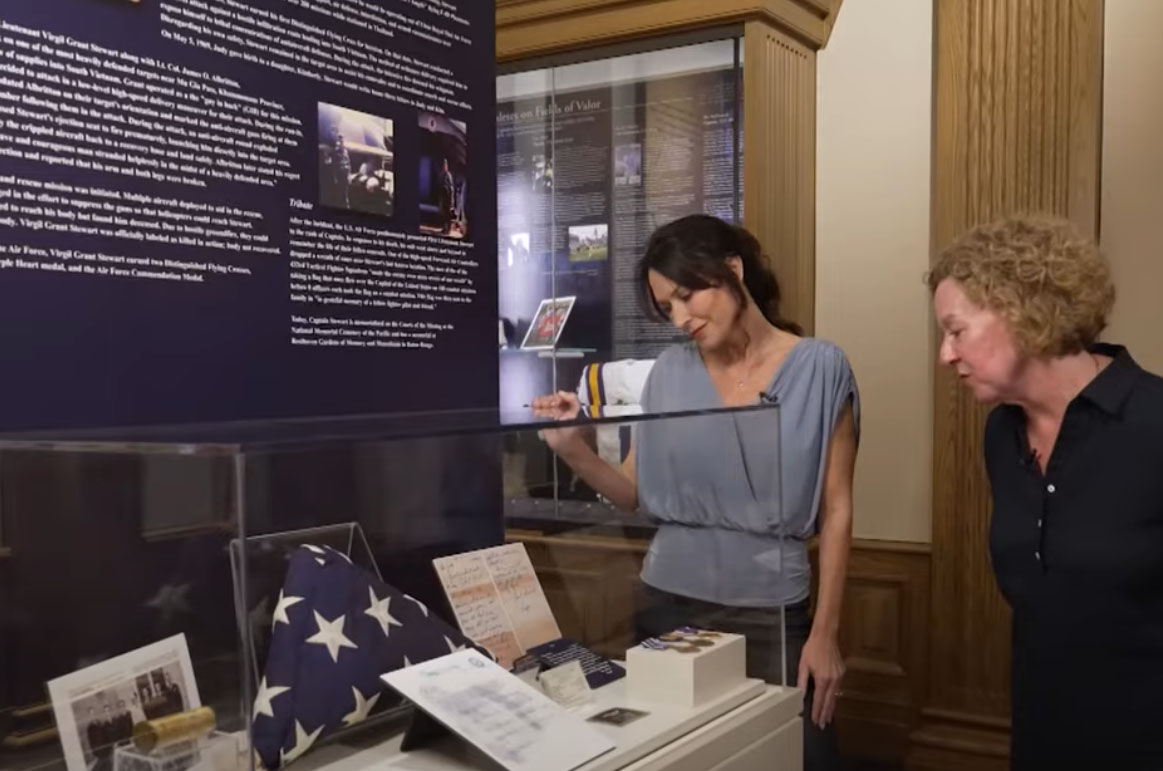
{"x": 821, "y": 661}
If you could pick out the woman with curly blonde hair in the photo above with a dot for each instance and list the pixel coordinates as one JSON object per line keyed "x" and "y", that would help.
{"x": 1074, "y": 454}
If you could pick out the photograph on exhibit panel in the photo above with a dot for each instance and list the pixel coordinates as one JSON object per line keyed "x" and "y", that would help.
{"x": 443, "y": 167}
{"x": 627, "y": 165}
{"x": 588, "y": 242}
{"x": 356, "y": 161}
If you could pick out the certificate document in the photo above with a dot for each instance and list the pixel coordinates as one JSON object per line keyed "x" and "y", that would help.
{"x": 510, "y": 721}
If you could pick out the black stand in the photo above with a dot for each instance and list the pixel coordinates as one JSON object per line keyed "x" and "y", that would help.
{"x": 423, "y": 731}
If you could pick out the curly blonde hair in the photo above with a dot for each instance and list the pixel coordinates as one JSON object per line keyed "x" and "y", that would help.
{"x": 1051, "y": 283}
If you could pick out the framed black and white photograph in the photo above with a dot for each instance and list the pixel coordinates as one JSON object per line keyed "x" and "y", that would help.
{"x": 97, "y": 707}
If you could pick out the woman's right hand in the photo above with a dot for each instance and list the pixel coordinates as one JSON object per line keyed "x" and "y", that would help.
{"x": 560, "y": 406}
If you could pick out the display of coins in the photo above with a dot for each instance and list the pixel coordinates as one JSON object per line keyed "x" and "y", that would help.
{"x": 685, "y": 648}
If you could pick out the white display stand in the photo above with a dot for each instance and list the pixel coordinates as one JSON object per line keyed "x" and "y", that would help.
{"x": 670, "y": 677}
{"x": 755, "y": 727}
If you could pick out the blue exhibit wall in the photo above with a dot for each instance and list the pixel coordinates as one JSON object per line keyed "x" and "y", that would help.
{"x": 212, "y": 210}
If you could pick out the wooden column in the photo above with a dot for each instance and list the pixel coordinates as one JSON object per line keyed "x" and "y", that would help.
{"x": 779, "y": 161}
{"x": 1017, "y": 114}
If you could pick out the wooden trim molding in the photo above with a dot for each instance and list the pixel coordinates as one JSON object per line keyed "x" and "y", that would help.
{"x": 1017, "y": 116}
{"x": 779, "y": 161}
{"x": 528, "y": 28}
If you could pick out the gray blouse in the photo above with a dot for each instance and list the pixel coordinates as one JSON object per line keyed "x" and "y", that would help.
{"x": 735, "y": 496}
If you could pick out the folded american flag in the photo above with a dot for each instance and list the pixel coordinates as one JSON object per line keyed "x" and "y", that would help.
{"x": 336, "y": 629}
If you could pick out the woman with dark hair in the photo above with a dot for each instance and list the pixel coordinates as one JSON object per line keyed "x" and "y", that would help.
{"x": 737, "y": 497}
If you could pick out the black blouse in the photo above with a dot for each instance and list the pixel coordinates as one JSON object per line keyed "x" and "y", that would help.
{"x": 1078, "y": 554}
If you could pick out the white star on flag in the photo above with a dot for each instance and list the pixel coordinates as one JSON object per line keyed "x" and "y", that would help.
{"x": 422, "y": 606}
{"x": 341, "y": 554}
{"x": 453, "y": 648}
{"x": 363, "y": 708}
{"x": 281, "y": 609}
{"x": 379, "y": 611}
{"x": 303, "y": 742}
{"x": 331, "y": 635}
{"x": 262, "y": 702}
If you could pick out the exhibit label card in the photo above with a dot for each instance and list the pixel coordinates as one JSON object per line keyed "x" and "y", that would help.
{"x": 497, "y": 600}
{"x": 567, "y": 685}
{"x": 513, "y": 723}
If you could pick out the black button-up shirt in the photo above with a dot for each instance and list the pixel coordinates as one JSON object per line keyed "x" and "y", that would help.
{"x": 1078, "y": 554}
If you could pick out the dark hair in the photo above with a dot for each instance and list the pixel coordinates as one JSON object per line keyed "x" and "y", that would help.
{"x": 692, "y": 252}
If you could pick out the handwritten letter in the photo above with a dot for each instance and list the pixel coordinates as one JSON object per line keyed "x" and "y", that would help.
{"x": 529, "y": 613}
{"x": 477, "y": 604}
{"x": 498, "y": 600}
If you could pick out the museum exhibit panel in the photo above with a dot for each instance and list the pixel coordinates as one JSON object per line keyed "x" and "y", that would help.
{"x": 202, "y": 583}
{"x": 220, "y": 211}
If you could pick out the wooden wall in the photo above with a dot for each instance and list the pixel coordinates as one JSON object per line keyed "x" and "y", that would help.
{"x": 779, "y": 185}
{"x": 589, "y": 582}
{"x": 884, "y": 637}
{"x": 529, "y": 28}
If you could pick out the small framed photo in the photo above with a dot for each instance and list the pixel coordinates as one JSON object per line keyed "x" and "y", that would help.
{"x": 97, "y": 707}
{"x": 618, "y": 716}
{"x": 545, "y": 329}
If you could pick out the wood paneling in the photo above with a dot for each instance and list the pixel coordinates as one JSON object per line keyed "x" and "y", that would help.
{"x": 590, "y": 583}
{"x": 779, "y": 161}
{"x": 527, "y": 28}
{"x": 1017, "y": 117}
{"x": 883, "y": 634}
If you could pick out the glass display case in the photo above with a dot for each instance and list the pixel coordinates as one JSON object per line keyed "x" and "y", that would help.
{"x": 147, "y": 572}
{"x": 592, "y": 156}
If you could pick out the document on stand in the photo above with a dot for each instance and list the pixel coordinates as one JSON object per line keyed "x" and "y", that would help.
{"x": 511, "y": 722}
{"x": 497, "y": 600}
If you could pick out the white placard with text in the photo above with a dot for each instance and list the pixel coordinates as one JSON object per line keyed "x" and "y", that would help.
{"x": 514, "y": 724}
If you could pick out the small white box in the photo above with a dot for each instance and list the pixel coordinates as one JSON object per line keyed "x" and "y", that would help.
{"x": 686, "y": 679}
